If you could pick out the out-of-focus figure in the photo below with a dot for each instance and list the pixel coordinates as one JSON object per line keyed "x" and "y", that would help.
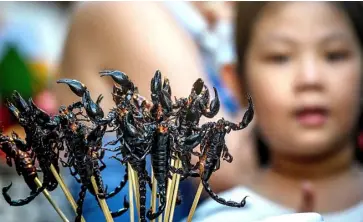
{"x": 302, "y": 64}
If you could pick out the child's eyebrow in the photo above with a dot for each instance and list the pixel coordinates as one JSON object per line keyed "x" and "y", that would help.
{"x": 333, "y": 36}
{"x": 277, "y": 37}
{"x": 284, "y": 38}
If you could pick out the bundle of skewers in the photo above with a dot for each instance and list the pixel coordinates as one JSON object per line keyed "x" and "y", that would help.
{"x": 166, "y": 131}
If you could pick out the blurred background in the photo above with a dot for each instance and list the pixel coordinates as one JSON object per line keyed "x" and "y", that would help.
{"x": 31, "y": 41}
{"x": 41, "y": 42}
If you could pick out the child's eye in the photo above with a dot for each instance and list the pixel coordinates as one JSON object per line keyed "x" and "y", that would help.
{"x": 336, "y": 56}
{"x": 278, "y": 59}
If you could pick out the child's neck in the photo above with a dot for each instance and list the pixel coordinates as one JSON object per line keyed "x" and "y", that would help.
{"x": 337, "y": 181}
{"x": 333, "y": 164}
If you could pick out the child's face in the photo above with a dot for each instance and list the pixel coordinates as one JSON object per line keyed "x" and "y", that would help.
{"x": 303, "y": 70}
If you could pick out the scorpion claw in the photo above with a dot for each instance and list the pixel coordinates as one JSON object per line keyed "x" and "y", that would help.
{"x": 214, "y": 106}
{"x": 119, "y": 77}
{"x": 19, "y": 101}
{"x": 248, "y": 116}
{"x": 76, "y": 86}
{"x": 198, "y": 86}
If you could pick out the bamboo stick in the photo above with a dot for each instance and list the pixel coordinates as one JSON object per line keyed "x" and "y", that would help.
{"x": 153, "y": 193}
{"x": 176, "y": 189}
{"x": 102, "y": 202}
{"x": 170, "y": 192}
{"x": 161, "y": 215}
{"x": 131, "y": 194}
{"x": 51, "y": 201}
{"x": 134, "y": 182}
{"x": 195, "y": 202}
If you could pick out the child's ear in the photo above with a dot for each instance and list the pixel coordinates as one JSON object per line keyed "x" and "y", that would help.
{"x": 232, "y": 80}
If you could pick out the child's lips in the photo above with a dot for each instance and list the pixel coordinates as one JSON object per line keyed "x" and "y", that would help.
{"x": 312, "y": 116}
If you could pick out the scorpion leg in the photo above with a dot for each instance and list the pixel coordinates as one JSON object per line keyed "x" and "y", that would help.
{"x": 114, "y": 142}
{"x": 122, "y": 161}
{"x": 74, "y": 174}
{"x": 82, "y": 195}
{"x": 122, "y": 210}
{"x": 100, "y": 158}
{"x": 226, "y": 155}
{"x": 218, "y": 165}
{"x": 20, "y": 202}
{"x": 220, "y": 200}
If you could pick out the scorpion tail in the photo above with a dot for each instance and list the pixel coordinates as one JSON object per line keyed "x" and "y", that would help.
{"x": 120, "y": 187}
{"x": 142, "y": 191}
{"x": 220, "y": 200}
{"x": 20, "y": 202}
{"x": 122, "y": 210}
{"x": 161, "y": 208}
{"x": 82, "y": 195}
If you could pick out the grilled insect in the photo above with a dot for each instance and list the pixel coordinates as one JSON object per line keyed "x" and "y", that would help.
{"x": 213, "y": 147}
{"x": 140, "y": 140}
{"x": 24, "y": 166}
{"x": 162, "y": 148}
{"x": 83, "y": 159}
{"x": 41, "y": 136}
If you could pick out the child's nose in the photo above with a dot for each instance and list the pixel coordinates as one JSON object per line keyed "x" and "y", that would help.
{"x": 309, "y": 74}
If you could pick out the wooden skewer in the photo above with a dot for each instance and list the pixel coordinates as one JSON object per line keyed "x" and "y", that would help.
{"x": 195, "y": 202}
{"x": 131, "y": 194}
{"x": 102, "y": 202}
{"x": 161, "y": 215}
{"x": 51, "y": 201}
{"x": 65, "y": 190}
{"x": 153, "y": 194}
{"x": 136, "y": 189}
{"x": 176, "y": 189}
{"x": 169, "y": 193}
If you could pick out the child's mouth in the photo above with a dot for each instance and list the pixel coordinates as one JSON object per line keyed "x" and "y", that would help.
{"x": 312, "y": 116}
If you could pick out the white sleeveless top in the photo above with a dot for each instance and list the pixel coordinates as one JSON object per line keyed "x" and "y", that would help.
{"x": 258, "y": 208}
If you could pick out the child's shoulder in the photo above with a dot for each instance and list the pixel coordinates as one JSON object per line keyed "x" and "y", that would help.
{"x": 256, "y": 207}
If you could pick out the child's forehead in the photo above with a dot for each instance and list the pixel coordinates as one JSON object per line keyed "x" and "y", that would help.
{"x": 292, "y": 22}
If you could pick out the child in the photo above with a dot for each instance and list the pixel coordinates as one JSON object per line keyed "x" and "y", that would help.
{"x": 302, "y": 64}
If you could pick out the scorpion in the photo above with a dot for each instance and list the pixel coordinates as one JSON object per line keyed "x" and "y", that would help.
{"x": 188, "y": 116}
{"x": 24, "y": 166}
{"x": 83, "y": 159}
{"x": 41, "y": 136}
{"x": 140, "y": 139}
{"x": 213, "y": 147}
{"x": 135, "y": 142}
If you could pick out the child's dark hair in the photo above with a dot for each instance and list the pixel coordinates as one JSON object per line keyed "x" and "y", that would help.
{"x": 247, "y": 13}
